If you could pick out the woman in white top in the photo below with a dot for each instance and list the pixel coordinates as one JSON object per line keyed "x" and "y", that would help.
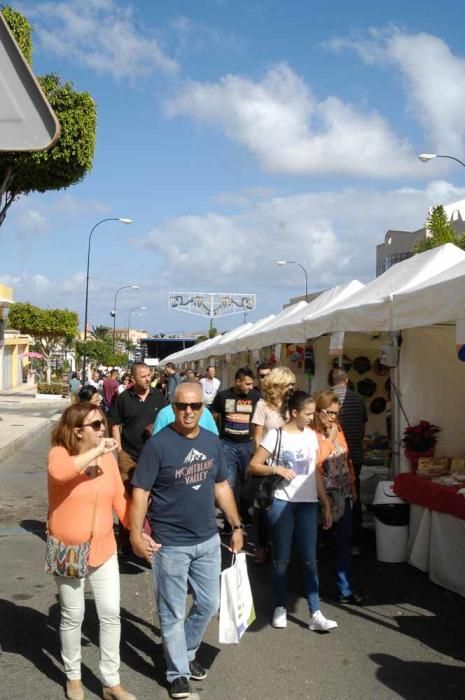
{"x": 270, "y": 412}
{"x": 294, "y": 511}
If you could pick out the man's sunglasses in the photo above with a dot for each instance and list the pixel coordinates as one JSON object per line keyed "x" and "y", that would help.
{"x": 181, "y": 406}
{"x": 95, "y": 425}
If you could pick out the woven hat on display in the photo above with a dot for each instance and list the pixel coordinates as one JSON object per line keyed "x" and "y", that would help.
{"x": 362, "y": 364}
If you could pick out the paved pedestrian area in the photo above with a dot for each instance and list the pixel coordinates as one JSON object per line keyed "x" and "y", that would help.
{"x": 406, "y": 642}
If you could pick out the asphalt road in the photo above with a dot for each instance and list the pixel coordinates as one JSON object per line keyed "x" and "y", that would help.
{"x": 407, "y": 642}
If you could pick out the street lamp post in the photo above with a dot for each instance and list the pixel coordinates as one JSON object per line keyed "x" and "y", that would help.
{"x": 113, "y": 313}
{"x": 136, "y": 308}
{"x": 294, "y": 262}
{"x": 123, "y": 221}
{"x": 425, "y": 157}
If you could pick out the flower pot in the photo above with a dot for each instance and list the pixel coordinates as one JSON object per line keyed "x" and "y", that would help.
{"x": 414, "y": 456}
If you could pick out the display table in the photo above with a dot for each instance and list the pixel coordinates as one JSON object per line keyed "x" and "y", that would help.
{"x": 436, "y": 541}
{"x": 426, "y": 493}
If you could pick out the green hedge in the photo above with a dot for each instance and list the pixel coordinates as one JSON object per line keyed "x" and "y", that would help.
{"x": 44, "y": 388}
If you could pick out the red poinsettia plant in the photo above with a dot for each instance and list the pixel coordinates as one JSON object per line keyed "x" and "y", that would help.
{"x": 420, "y": 437}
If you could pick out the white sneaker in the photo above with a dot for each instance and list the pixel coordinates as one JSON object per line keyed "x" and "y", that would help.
{"x": 279, "y": 618}
{"x": 319, "y": 623}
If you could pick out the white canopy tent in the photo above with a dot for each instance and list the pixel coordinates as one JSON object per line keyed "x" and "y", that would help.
{"x": 205, "y": 350}
{"x": 371, "y": 309}
{"x": 242, "y": 341}
{"x": 292, "y": 328}
{"x": 439, "y": 300}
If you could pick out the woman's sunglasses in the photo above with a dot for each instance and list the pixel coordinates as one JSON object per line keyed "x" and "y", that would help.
{"x": 330, "y": 414}
{"x": 181, "y": 406}
{"x": 95, "y": 425}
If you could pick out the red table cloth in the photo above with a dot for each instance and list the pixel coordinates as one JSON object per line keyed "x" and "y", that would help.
{"x": 426, "y": 493}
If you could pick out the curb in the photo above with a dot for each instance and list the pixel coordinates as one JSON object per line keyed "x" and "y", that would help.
{"x": 12, "y": 447}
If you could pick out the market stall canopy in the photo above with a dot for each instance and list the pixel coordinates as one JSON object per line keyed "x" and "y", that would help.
{"x": 177, "y": 357}
{"x": 36, "y": 355}
{"x": 241, "y": 342}
{"x": 293, "y": 328}
{"x": 215, "y": 350}
{"x": 27, "y": 122}
{"x": 285, "y": 314}
{"x": 371, "y": 310}
{"x": 439, "y": 300}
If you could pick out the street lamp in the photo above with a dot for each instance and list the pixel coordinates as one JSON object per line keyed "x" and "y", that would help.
{"x": 123, "y": 221}
{"x": 425, "y": 157}
{"x": 293, "y": 262}
{"x": 113, "y": 313}
{"x": 136, "y": 308}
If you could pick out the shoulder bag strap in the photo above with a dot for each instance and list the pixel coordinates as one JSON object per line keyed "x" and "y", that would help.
{"x": 94, "y": 513}
{"x": 277, "y": 447}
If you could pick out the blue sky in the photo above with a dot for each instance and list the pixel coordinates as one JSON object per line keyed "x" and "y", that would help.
{"x": 236, "y": 133}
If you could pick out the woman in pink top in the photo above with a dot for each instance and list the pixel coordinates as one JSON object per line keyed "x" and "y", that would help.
{"x": 83, "y": 475}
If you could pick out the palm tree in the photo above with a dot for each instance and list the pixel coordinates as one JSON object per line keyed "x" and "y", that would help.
{"x": 101, "y": 333}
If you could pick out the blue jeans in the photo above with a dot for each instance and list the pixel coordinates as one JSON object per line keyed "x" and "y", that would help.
{"x": 237, "y": 456}
{"x": 343, "y": 534}
{"x": 173, "y": 568}
{"x": 298, "y": 520}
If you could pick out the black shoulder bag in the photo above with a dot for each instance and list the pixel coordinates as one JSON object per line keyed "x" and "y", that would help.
{"x": 268, "y": 484}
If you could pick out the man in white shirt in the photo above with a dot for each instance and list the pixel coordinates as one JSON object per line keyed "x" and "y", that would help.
{"x": 210, "y": 385}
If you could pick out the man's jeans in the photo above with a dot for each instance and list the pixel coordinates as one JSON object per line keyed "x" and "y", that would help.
{"x": 173, "y": 568}
{"x": 237, "y": 456}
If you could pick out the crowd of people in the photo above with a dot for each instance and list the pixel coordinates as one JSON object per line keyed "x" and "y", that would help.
{"x": 164, "y": 451}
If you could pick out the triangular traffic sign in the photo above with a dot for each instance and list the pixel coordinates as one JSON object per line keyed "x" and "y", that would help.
{"x": 27, "y": 122}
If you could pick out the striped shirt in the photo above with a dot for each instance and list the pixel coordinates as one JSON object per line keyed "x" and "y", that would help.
{"x": 352, "y": 417}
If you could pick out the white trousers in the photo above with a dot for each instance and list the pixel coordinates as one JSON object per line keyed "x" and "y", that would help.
{"x": 104, "y": 581}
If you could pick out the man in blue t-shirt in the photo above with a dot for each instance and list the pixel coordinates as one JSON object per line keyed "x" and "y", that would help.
{"x": 182, "y": 469}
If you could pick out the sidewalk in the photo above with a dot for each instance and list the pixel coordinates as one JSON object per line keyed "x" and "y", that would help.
{"x": 22, "y": 391}
{"x": 16, "y": 429}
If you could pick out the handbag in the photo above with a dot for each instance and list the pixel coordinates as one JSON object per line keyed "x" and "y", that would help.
{"x": 268, "y": 484}
{"x": 237, "y": 610}
{"x": 70, "y": 560}
{"x": 336, "y": 496}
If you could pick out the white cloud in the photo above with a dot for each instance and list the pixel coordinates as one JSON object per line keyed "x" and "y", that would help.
{"x": 100, "y": 34}
{"x": 289, "y": 130}
{"x": 333, "y": 234}
{"x": 192, "y": 36}
{"x": 30, "y": 223}
{"x": 243, "y": 197}
{"x": 433, "y": 77}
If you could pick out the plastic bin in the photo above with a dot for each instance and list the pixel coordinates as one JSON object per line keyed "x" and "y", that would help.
{"x": 391, "y": 524}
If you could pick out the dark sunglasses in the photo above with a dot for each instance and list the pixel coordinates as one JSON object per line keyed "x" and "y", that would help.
{"x": 262, "y": 376}
{"x": 181, "y": 406}
{"x": 95, "y": 425}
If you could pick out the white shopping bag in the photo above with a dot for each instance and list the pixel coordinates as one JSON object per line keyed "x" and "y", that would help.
{"x": 237, "y": 610}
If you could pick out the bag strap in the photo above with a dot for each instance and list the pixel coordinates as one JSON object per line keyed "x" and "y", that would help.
{"x": 94, "y": 513}
{"x": 277, "y": 447}
{"x": 94, "y": 516}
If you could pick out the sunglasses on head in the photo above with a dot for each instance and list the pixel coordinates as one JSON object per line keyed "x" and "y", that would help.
{"x": 181, "y": 406}
{"x": 95, "y": 425}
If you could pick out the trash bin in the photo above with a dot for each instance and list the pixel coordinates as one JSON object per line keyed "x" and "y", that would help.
{"x": 391, "y": 524}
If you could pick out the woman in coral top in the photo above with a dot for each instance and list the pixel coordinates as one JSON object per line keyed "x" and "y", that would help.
{"x": 83, "y": 476}
{"x": 339, "y": 481}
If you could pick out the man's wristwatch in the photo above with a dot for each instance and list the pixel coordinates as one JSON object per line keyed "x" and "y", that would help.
{"x": 240, "y": 526}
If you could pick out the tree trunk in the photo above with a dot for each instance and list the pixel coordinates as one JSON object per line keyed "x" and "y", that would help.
{"x": 48, "y": 370}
